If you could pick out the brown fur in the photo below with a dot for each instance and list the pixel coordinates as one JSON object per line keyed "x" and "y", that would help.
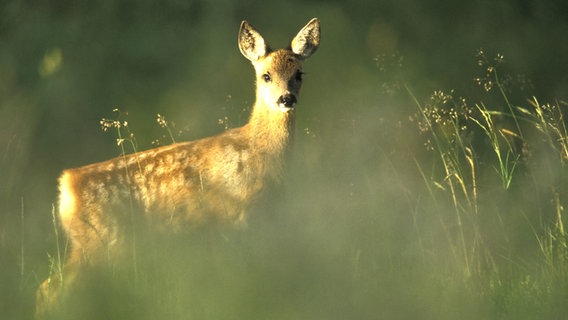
{"x": 189, "y": 184}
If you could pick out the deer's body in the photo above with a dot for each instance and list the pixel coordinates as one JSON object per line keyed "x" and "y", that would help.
{"x": 189, "y": 184}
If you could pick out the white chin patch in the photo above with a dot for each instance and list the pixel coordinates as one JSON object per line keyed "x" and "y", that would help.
{"x": 282, "y": 107}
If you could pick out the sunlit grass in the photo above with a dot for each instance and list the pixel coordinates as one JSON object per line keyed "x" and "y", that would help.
{"x": 458, "y": 136}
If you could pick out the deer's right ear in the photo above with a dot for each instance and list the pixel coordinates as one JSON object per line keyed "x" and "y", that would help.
{"x": 251, "y": 43}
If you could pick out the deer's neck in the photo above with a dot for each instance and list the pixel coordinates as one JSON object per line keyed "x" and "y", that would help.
{"x": 271, "y": 131}
{"x": 271, "y": 134}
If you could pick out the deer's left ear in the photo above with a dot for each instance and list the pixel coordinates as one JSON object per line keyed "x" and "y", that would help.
{"x": 306, "y": 42}
{"x": 251, "y": 43}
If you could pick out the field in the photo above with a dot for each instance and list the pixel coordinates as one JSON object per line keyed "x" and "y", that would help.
{"x": 429, "y": 177}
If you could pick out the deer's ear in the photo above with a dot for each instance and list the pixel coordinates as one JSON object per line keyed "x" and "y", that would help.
{"x": 251, "y": 43}
{"x": 306, "y": 42}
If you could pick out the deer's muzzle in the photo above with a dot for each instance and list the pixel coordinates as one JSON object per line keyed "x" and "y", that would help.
{"x": 287, "y": 100}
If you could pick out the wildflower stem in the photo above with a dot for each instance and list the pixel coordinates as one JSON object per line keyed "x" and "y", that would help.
{"x": 507, "y": 102}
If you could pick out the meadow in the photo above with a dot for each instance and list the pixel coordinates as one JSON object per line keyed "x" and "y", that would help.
{"x": 428, "y": 181}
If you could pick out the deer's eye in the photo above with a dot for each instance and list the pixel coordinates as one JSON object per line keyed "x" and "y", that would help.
{"x": 266, "y": 77}
{"x": 299, "y": 76}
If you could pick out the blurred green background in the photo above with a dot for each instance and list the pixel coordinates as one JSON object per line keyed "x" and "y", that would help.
{"x": 351, "y": 234}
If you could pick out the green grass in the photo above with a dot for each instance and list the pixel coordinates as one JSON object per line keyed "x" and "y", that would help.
{"x": 454, "y": 211}
{"x": 487, "y": 164}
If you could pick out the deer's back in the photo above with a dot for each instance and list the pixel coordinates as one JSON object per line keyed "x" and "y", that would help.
{"x": 184, "y": 184}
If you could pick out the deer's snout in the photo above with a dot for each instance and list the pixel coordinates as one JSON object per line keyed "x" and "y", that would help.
{"x": 288, "y": 100}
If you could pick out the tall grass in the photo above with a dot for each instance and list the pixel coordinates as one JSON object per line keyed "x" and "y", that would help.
{"x": 472, "y": 226}
{"x": 527, "y": 155}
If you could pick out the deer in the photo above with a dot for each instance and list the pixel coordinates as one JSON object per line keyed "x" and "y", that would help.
{"x": 186, "y": 185}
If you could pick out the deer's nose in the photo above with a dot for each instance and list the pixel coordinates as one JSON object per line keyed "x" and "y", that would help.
{"x": 288, "y": 100}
